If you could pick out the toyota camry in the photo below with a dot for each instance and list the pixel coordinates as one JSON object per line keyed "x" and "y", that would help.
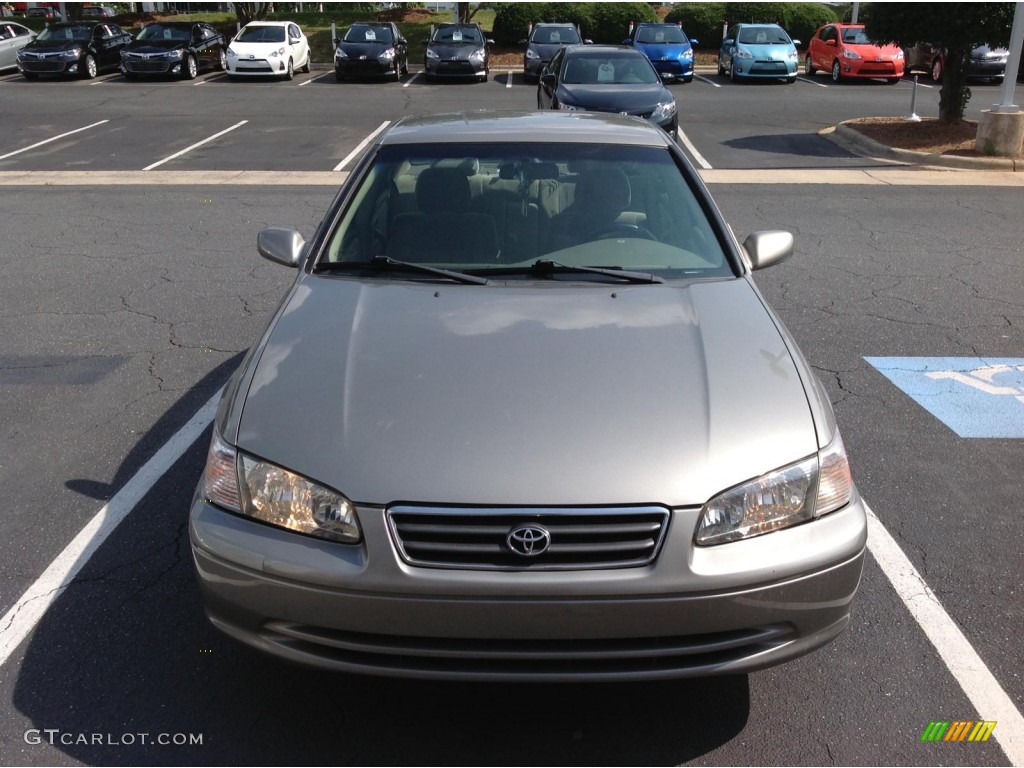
{"x": 523, "y": 414}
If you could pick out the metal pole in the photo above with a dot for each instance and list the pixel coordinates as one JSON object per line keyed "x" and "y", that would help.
{"x": 334, "y": 32}
{"x": 912, "y": 117}
{"x": 1013, "y": 63}
{"x": 856, "y": 12}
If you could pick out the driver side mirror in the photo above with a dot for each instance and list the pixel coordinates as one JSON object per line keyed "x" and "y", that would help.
{"x": 767, "y": 248}
{"x": 833, "y": 43}
{"x": 549, "y": 79}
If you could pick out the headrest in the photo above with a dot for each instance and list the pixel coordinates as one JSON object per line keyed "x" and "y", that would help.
{"x": 442, "y": 189}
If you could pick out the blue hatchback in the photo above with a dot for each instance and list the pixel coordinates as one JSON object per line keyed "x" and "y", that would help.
{"x": 668, "y": 48}
{"x": 758, "y": 50}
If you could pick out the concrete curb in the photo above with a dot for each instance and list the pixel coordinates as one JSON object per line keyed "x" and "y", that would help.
{"x": 845, "y": 134}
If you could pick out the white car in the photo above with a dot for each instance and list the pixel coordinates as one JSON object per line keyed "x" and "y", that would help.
{"x": 268, "y": 48}
{"x": 13, "y": 37}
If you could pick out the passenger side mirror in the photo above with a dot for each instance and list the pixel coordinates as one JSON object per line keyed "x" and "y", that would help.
{"x": 833, "y": 43}
{"x": 628, "y": 41}
{"x": 727, "y": 42}
{"x": 694, "y": 41}
{"x": 280, "y": 245}
{"x": 522, "y": 42}
{"x": 767, "y": 248}
{"x": 336, "y": 41}
{"x": 588, "y": 41}
{"x": 796, "y": 43}
{"x": 489, "y": 41}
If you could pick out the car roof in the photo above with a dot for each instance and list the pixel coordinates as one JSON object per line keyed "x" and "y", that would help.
{"x": 656, "y": 24}
{"x": 181, "y": 24}
{"x": 269, "y": 23}
{"x": 759, "y": 24}
{"x": 599, "y": 49}
{"x": 550, "y": 127}
{"x": 554, "y": 24}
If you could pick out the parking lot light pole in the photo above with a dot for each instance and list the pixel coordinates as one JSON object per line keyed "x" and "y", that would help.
{"x": 1012, "y": 63}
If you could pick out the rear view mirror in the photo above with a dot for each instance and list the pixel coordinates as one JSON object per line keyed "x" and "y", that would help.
{"x": 280, "y": 245}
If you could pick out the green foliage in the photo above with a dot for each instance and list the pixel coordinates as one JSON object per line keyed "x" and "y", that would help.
{"x": 700, "y": 20}
{"x": 611, "y": 20}
{"x": 957, "y": 28}
{"x": 512, "y": 20}
{"x": 801, "y": 20}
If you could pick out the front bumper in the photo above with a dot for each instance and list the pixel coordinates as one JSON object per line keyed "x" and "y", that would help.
{"x": 694, "y": 611}
{"x": 677, "y": 68}
{"x": 533, "y": 67}
{"x": 765, "y": 69}
{"x": 983, "y": 68}
{"x": 363, "y": 68}
{"x": 871, "y": 69}
{"x": 454, "y": 68}
{"x": 133, "y": 66}
{"x": 245, "y": 67}
{"x": 49, "y": 66}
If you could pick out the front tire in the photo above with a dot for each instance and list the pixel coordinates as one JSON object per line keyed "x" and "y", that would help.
{"x": 305, "y": 67}
{"x": 809, "y": 69}
{"x": 721, "y": 69}
{"x": 89, "y": 68}
{"x": 222, "y": 61}
{"x": 190, "y": 68}
{"x": 733, "y": 74}
{"x": 688, "y": 79}
{"x": 289, "y": 73}
{"x": 791, "y": 80}
{"x": 837, "y": 72}
{"x": 892, "y": 80}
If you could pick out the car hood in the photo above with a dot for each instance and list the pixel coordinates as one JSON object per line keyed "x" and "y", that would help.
{"x": 870, "y": 50}
{"x": 538, "y": 394}
{"x": 548, "y": 50}
{"x": 776, "y": 52}
{"x": 626, "y": 97}
{"x": 364, "y": 49}
{"x": 454, "y": 50}
{"x": 659, "y": 51}
{"x": 51, "y": 46}
{"x": 982, "y": 50}
{"x": 155, "y": 46}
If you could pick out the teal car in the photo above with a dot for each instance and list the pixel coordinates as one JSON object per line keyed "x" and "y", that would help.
{"x": 758, "y": 50}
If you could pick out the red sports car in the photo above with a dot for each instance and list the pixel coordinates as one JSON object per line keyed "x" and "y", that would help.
{"x": 846, "y": 52}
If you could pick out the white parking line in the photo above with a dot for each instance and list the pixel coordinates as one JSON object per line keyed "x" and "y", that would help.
{"x": 55, "y": 138}
{"x": 806, "y": 79}
{"x": 362, "y": 145}
{"x": 508, "y": 80}
{"x": 25, "y": 614}
{"x": 107, "y": 79}
{"x": 693, "y": 150}
{"x": 409, "y": 81}
{"x": 318, "y": 77}
{"x": 197, "y": 144}
{"x": 966, "y": 666}
{"x": 708, "y": 80}
{"x": 214, "y": 79}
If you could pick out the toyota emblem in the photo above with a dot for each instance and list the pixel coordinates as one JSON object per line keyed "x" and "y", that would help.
{"x": 528, "y": 540}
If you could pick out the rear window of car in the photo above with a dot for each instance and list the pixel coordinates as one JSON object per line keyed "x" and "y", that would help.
{"x": 478, "y": 206}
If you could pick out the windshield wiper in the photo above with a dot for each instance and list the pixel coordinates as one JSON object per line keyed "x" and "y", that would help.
{"x": 546, "y": 268}
{"x": 386, "y": 262}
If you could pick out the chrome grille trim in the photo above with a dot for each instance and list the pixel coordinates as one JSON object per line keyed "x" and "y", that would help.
{"x": 582, "y": 538}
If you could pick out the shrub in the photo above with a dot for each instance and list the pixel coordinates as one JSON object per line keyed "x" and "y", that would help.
{"x": 702, "y": 21}
{"x": 611, "y": 20}
{"x": 801, "y": 20}
{"x": 512, "y": 20}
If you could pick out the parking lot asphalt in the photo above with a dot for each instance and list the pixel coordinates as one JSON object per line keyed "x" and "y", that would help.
{"x": 126, "y": 305}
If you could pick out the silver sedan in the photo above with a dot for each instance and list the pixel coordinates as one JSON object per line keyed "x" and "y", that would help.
{"x": 524, "y": 415}
{"x": 13, "y": 37}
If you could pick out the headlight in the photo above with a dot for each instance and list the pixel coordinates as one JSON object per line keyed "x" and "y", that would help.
{"x": 788, "y": 496}
{"x": 278, "y": 52}
{"x": 742, "y": 54}
{"x": 477, "y": 55}
{"x": 387, "y": 55}
{"x": 74, "y": 53}
{"x": 231, "y": 53}
{"x": 532, "y": 54}
{"x": 687, "y": 54}
{"x": 897, "y": 55}
{"x": 569, "y": 107}
{"x": 340, "y": 54}
{"x": 851, "y": 55}
{"x": 266, "y": 492}
{"x": 177, "y": 53}
{"x": 432, "y": 54}
{"x": 664, "y": 111}
{"x": 793, "y": 55}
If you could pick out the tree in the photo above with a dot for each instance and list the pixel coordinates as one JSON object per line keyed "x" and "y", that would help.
{"x": 956, "y": 28}
{"x": 465, "y": 12}
{"x": 246, "y": 12}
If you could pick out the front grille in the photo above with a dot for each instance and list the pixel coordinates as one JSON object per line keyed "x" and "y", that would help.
{"x": 368, "y": 67}
{"x": 42, "y": 65}
{"x": 455, "y": 67}
{"x": 477, "y": 539}
{"x": 254, "y": 66}
{"x": 136, "y": 65}
{"x": 878, "y": 68}
{"x": 536, "y": 659}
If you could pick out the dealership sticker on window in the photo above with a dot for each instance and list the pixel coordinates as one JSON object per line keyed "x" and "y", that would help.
{"x": 973, "y": 396}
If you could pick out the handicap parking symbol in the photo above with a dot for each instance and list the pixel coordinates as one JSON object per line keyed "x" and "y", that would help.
{"x": 973, "y": 396}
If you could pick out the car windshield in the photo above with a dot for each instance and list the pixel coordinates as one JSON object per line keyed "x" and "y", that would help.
{"x": 369, "y": 33}
{"x": 75, "y": 33}
{"x": 856, "y": 36}
{"x": 554, "y": 36}
{"x": 609, "y": 69}
{"x": 458, "y": 33}
{"x": 763, "y": 36}
{"x": 504, "y": 206}
{"x": 154, "y": 32}
{"x": 670, "y": 34}
{"x": 261, "y": 34}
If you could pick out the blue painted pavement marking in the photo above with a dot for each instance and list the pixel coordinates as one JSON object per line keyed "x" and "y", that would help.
{"x": 973, "y": 396}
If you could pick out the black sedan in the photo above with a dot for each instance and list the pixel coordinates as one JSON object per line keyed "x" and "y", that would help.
{"x": 178, "y": 48}
{"x": 607, "y": 78}
{"x": 457, "y": 50}
{"x": 74, "y": 48}
{"x": 371, "y": 48}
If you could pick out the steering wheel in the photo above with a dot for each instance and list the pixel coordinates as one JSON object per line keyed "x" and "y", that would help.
{"x": 619, "y": 229}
